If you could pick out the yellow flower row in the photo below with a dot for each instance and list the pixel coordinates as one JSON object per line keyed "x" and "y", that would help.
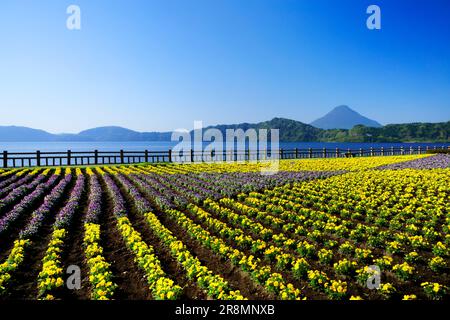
{"x": 20, "y": 173}
{"x": 215, "y": 285}
{"x": 162, "y": 287}
{"x": 318, "y": 193}
{"x": 319, "y": 164}
{"x": 395, "y": 210}
{"x": 15, "y": 258}
{"x": 51, "y": 275}
{"x": 277, "y": 254}
{"x": 100, "y": 275}
{"x": 261, "y": 274}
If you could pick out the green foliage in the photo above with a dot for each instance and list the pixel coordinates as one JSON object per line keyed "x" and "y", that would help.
{"x": 296, "y": 131}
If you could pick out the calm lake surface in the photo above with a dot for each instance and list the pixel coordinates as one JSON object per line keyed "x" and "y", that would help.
{"x": 166, "y": 145}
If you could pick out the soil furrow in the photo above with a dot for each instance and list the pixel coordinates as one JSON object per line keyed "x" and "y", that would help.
{"x": 25, "y": 279}
{"x": 128, "y": 277}
{"x": 7, "y": 239}
{"x": 235, "y": 277}
{"x": 173, "y": 269}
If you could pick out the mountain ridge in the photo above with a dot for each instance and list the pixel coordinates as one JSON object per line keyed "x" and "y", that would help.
{"x": 343, "y": 117}
{"x": 290, "y": 131}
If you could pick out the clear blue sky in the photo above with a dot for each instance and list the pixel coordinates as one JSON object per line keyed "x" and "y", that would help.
{"x": 160, "y": 65}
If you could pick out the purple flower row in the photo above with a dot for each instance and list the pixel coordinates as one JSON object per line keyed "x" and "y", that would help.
{"x": 439, "y": 161}
{"x": 20, "y": 191}
{"x": 26, "y": 202}
{"x": 141, "y": 203}
{"x": 15, "y": 184}
{"x": 119, "y": 209}
{"x": 9, "y": 180}
{"x": 65, "y": 215}
{"x": 164, "y": 196}
{"x": 39, "y": 215}
{"x": 230, "y": 184}
{"x": 168, "y": 191}
{"x": 95, "y": 200}
{"x": 192, "y": 190}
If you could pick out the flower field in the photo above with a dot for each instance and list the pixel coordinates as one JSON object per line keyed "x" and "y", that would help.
{"x": 314, "y": 230}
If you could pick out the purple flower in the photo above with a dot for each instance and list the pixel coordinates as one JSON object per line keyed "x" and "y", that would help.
{"x": 16, "y": 184}
{"x": 116, "y": 197}
{"x": 26, "y": 202}
{"x": 439, "y": 161}
{"x": 65, "y": 215}
{"x": 50, "y": 201}
{"x": 95, "y": 200}
{"x": 20, "y": 191}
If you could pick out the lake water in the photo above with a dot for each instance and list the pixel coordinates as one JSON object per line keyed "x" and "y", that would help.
{"x": 165, "y": 145}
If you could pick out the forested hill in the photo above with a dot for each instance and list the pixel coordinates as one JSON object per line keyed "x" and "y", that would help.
{"x": 290, "y": 130}
{"x": 295, "y": 131}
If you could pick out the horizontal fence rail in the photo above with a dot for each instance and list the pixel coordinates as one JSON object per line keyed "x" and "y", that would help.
{"x": 83, "y": 158}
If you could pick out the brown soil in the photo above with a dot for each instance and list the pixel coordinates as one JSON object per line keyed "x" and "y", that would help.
{"x": 173, "y": 269}
{"x": 300, "y": 284}
{"x": 24, "y": 280}
{"x": 129, "y": 278}
{"x": 7, "y": 238}
{"x": 74, "y": 250}
{"x": 235, "y": 277}
{"x": 8, "y": 207}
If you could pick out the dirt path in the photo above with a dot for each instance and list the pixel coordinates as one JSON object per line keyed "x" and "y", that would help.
{"x": 7, "y": 239}
{"x": 74, "y": 250}
{"x": 129, "y": 278}
{"x": 173, "y": 269}
{"x": 235, "y": 277}
{"x": 24, "y": 284}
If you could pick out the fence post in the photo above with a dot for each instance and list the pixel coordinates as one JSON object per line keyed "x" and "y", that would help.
{"x": 192, "y": 155}
{"x": 310, "y": 153}
{"x": 38, "y": 158}
{"x": 69, "y": 156}
{"x": 371, "y": 151}
{"x": 324, "y": 152}
{"x": 146, "y": 155}
{"x": 402, "y": 151}
{"x": 392, "y": 151}
{"x": 360, "y": 152}
{"x": 5, "y": 159}
{"x": 122, "y": 158}
{"x": 170, "y": 155}
{"x": 296, "y": 153}
{"x": 382, "y": 151}
{"x": 420, "y": 150}
{"x": 410, "y": 150}
{"x": 337, "y": 152}
{"x": 281, "y": 153}
{"x": 95, "y": 156}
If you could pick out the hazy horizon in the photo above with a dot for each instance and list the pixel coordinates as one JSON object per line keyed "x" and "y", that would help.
{"x": 160, "y": 65}
{"x": 170, "y": 130}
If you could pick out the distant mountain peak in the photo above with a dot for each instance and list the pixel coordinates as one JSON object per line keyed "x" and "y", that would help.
{"x": 343, "y": 117}
{"x": 343, "y": 108}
